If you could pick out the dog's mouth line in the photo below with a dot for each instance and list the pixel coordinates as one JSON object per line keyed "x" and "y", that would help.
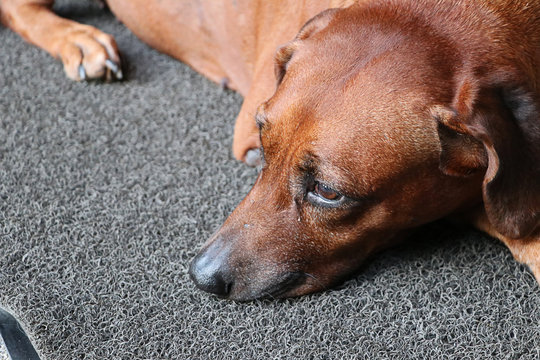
{"x": 289, "y": 282}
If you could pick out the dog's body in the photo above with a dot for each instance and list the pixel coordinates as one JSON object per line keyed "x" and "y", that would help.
{"x": 388, "y": 114}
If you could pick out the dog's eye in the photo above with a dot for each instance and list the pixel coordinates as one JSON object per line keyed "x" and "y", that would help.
{"x": 326, "y": 192}
{"x": 323, "y": 195}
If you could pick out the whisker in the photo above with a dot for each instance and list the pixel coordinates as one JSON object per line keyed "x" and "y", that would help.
{"x": 315, "y": 278}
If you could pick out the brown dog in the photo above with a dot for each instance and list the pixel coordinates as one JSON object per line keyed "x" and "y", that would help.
{"x": 388, "y": 115}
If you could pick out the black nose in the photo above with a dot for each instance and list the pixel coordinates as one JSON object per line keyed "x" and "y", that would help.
{"x": 208, "y": 270}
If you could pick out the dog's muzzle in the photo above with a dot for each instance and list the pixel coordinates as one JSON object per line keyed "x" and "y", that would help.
{"x": 215, "y": 271}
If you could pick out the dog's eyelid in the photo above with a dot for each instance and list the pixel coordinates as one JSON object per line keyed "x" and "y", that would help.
{"x": 348, "y": 198}
{"x": 338, "y": 179}
{"x": 319, "y": 201}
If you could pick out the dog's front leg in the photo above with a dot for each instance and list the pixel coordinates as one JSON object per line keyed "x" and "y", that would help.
{"x": 86, "y": 52}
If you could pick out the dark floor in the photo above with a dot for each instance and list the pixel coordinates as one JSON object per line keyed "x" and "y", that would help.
{"x": 108, "y": 190}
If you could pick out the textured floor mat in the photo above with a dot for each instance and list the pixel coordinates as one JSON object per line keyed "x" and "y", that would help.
{"x": 108, "y": 190}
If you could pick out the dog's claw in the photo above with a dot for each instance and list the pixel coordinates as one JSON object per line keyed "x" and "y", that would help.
{"x": 224, "y": 83}
{"x": 115, "y": 69}
{"x": 253, "y": 157}
{"x": 82, "y": 73}
{"x": 111, "y": 65}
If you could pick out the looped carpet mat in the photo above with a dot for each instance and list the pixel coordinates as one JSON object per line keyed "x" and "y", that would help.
{"x": 108, "y": 190}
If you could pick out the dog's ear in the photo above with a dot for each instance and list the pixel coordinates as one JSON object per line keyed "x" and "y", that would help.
{"x": 461, "y": 154}
{"x": 283, "y": 56}
{"x": 285, "y": 52}
{"x": 496, "y": 129}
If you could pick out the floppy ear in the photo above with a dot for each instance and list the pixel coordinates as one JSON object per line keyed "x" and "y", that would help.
{"x": 285, "y": 52}
{"x": 496, "y": 129}
{"x": 281, "y": 60}
{"x": 461, "y": 154}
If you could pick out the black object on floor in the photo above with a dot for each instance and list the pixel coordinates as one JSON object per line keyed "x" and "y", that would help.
{"x": 17, "y": 342}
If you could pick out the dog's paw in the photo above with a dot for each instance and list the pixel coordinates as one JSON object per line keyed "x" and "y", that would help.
{"x": 88, "y": 53}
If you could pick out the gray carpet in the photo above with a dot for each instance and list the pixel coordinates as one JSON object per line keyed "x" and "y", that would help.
{"x": 108, "y": 190}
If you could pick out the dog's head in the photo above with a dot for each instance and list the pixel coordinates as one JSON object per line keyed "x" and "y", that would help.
{"x": 368, "y": 135}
